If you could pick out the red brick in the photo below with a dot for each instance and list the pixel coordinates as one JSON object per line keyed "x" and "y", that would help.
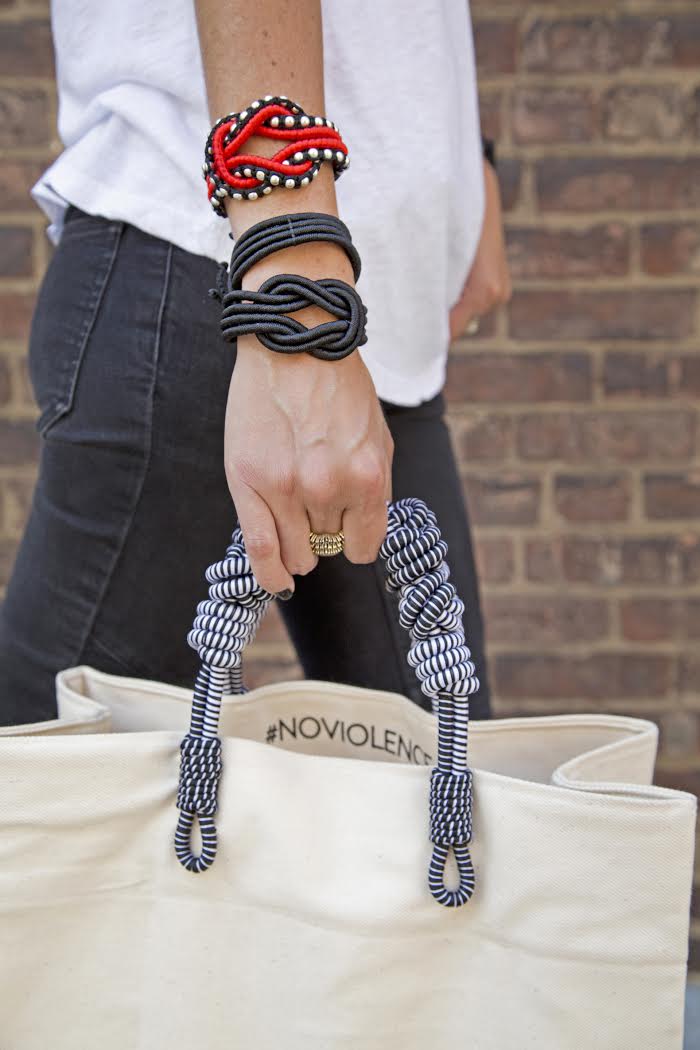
{"x": 591, "y": 184}
{"x": 16, "y": 315}
{"x": 544, "y": 619}
{"x": 16, "y": 251}
{"x": 598, "y": 436}
{"x": 601, "y": 251}
{"x": 593, "y": 497}
{"x": 16, "y": 179}
{"x": 500, "y": 377}
{"x": 626, "y": 314}
{"x": 5, "y": 383}
{"x": 588, "y": 44}
{"x": 689, "y": 557}
{"x": 495, "y": 558}
{"x": 635, "y": 374}
{"x": 570, "y": 45}
{"x": 8, "y": 552}
{"x": 689, "y": 674}
{"x": 488, "y": 437}
{"x": 541, "y": 115}
{"x": 19, "y": 443}
{"x": 682, "y": 780}
{"x": 690, "y": 618}
{"x": 633, "y": 112}
{"x": 672, "y": 495}
{"x": 669, "y": 40}
{"x": 18, "y": 499}
{"x": 679, "y": 737}
{"x": 671, "y": 248}
{"x": 504, "y": 500}
{"x": 597, "y": 676}
{"x": 549, "y": 435}
{"x": 509, "y": 180}
{"x": 543, "y": 560}
{"x": 24, "y": 117}
{"x": 649, "y": 619}
{"x": 690, "y": 376}
{"x": 490, "y": 107}
{"x": 26, "y": 49}
{"x": 637, "y": 561}
{"x": 496, "y": 44}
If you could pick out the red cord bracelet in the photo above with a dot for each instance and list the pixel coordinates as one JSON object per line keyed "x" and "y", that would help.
{"x": 309, "y": 142}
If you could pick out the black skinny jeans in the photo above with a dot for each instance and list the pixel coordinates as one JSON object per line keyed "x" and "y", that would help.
{"x": 131, "y": 504}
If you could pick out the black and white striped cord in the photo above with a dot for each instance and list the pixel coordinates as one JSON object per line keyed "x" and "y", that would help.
{"x": 224, "y": 625}
{"x": 432, "y": 613}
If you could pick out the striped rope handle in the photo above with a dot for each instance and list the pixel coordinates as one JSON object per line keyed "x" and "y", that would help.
{"x": 429, "y": 608}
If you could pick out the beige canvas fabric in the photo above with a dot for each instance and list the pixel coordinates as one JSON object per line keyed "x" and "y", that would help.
{"x": 314, "y": 929}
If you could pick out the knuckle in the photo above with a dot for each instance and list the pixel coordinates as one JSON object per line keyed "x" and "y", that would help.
{"x": 306, "y": 565}
{"x": 367, "y": 475}
{"x": 260, "y": 546}
{"x": 319, "y": 486}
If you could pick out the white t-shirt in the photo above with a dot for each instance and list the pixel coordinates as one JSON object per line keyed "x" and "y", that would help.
{"x": 400, "y": 85}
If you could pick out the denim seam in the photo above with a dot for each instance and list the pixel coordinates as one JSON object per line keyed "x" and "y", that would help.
{"x": 63, "y": 403}
{"x": 89, "y": 627}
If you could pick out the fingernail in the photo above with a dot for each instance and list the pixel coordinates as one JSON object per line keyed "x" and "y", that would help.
{"x": 285, "y": 595}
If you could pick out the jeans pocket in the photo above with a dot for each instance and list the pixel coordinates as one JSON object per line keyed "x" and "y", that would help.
{"x": 66, "y": 310}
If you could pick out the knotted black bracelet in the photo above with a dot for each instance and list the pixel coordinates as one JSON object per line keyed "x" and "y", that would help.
{"x": 263, "y": 313}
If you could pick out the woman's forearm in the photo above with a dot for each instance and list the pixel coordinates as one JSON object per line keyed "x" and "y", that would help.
{"x": 274, "y": 47}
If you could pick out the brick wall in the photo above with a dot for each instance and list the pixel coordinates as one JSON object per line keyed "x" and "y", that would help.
{"x": 575, "y": 412}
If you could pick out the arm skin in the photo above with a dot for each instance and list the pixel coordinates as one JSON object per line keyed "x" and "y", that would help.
{"x": 306, "y": 445}
{"x": 488, "y": 284}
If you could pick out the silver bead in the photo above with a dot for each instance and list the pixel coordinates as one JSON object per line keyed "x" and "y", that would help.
{"x": 298, "y": 157}
{"x": 238, "y": 196}
{"x": 340, "y": 157}
{"x": 313, "y": 152}
{"x": 252, "y": 196}
{"x": 290, "y": 184}
{"x": 275, "y": 122}
{"x": 328, "y": 154}
{"x": 260, "y": 176}
{"x": 255, "y": 105}
{"x": 289, "y": 121}
{"x": 305, "y": 181}
{"x": 318, "y": 121}
{"x": 346, "y": 162}
{"x": 247, "y": 172}
{"x": 305, "y": 121}
{"x": 267, "y": 189}
{"x": 243, "y": 115}
{"x": 274, "y": 180}
{"x": 222, "y": 191}
{"x": 268, "y": 98}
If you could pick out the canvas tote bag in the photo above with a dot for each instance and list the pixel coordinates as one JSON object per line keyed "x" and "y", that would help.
{"x": 309, "y": 909}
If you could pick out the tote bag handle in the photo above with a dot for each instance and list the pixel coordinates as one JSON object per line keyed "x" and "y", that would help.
{"x": 413, "y": 553}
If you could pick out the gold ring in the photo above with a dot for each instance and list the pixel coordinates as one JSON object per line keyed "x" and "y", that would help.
{"x": 473, "y": 326}
{"x": 326, "y": 544}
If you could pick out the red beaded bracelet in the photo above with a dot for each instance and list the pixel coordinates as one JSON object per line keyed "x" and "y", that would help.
{"x": 310, "y": 141}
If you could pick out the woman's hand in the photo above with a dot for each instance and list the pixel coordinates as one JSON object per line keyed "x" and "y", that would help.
{"x": 488, "y": 284}
{"x": 306, "y": 443}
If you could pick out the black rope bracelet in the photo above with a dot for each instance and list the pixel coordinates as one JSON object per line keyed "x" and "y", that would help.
{"x": 284, "y": 231}
{"x": 264, "y": 314}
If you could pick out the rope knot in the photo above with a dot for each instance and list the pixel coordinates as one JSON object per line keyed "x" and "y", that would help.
{"x": 450, "y": 808}
{"x": 200, "y": 769}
